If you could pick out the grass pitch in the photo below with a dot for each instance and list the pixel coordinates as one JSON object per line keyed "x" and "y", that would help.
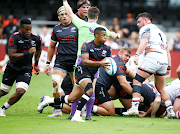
{"x": 22, "y": 118}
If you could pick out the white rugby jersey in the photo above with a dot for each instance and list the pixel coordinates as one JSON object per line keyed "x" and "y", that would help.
{"x": 173, "y": 89}
{"x": 157, "y": 38}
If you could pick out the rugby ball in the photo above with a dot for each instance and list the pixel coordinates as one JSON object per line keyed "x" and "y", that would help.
{"x": 111, "y": 70}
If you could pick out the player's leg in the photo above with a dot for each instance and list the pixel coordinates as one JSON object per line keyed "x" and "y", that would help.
{"x": 159, "y": 84}
{"x": 137, "y": 83}
{"x": 90, "y": 102}
{"x": 6, "y": 85}
{"x": 57, "y": 78}
{"x": 86, "y": 85}
{"x": 22, "y": 84}
{"x": 176, "y": 106}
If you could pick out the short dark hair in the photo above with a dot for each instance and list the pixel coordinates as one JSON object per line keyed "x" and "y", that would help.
{"x": 98, "y": 30}
{"x": 25, "y": 21}
{"x": 93, "y": 12}
{"x": 146, "y": 15}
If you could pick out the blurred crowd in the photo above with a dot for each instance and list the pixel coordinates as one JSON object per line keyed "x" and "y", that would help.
{"x": 128, "y": 31}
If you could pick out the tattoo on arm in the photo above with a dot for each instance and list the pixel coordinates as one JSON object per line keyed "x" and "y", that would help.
{"x": 146, "y": 35}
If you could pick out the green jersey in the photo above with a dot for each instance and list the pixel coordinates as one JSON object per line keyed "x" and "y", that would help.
{"x": 86, "y": 31}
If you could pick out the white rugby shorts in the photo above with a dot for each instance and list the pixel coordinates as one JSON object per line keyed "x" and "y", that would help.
{"x": 155, "y": 63}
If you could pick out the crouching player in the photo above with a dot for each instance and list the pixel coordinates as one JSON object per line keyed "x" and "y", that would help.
{"x": 173, "y": 89}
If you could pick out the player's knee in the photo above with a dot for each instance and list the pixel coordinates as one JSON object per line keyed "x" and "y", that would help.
{"x": 139, "y": 78}
{"x": 137, "y": 89}
{"x": 5, "y": 88}
{"x": 89, "y": 88}
{"x": 22, "y": 85}
{"x": 20, "y": 91}
{"x": 54, "y": 84}
{"x": 57, "y": 80}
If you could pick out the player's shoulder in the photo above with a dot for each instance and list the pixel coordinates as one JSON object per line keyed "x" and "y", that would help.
{"x": 35, "y": 36}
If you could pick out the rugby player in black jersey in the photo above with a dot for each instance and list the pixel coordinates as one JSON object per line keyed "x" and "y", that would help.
{"x": 21, "y": 48}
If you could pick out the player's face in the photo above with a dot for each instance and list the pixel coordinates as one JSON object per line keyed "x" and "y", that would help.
{"x": 125, "y": 56}
{"x": 26, "y": 30}
{"x": 64, "y": 18}
{"x": 102, "y": 37}
{"x": 83, "y": 11}
{"x": 140, "y": 22}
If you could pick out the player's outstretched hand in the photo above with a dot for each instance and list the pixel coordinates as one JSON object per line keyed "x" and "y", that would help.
{"x": 47, "y": 70}
{"x": 32, "y": 50}
{"x": 36, "y": 68}
{"x": 142, "y": 114}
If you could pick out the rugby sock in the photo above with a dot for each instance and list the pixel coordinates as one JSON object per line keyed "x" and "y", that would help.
{"x": 168, "y": 103}
{"x": 6, "y": 106}
{"x": 94, "y": 109}
{"x": 119, "y": 111}
{"x": 58, "y": 102}
{"x": 135, "y": 102}
{"x": 85, "y": 97}
{"x": 73, "y": 107}
{"x": 89, "y": 104}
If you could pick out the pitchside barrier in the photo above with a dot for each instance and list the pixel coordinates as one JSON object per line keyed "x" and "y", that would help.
{"x": 175, "y": 61}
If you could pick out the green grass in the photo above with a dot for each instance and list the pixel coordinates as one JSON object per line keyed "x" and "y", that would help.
{"x": 22, "y": 118}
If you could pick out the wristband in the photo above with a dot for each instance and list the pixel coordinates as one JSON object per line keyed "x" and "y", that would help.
{"x": 48, "y": 62}
{"x": 36, "y": 63}
{"x": 169, "y": 68}
{"x": 137, "y": 54}
{"x": 26, "y": 53}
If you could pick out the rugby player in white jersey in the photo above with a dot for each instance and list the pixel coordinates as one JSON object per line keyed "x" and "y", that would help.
{"x": 157, "y": 61}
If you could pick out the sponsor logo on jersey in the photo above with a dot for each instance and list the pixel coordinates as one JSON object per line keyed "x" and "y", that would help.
{"x": 33, "y": 44}
{"x": 92, "y": 50}
{"x": 21, "y": 41}
{"x": 104, "y": 52}
{"x": 83, "y": 48}
{"x": 59, "y": 31}
{"x": 11, "y": 41}
{"x": 122, "y": 69}
{"x": 73, "y": 29}
{"x": 91, "y": 29}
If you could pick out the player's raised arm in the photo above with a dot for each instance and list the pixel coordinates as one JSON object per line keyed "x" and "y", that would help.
{"x": 68, "y": 9}
{"x": 114, "y": 35}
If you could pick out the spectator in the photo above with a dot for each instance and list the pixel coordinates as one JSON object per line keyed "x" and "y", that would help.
{"x": 130, "y": 26}
{"x": 103, "y": 23}
{"x": 121, "y": 41}
{"x": 116, "y": 25}
{"x": 174, "y": 44}
{"x": 46, "y": 36}
{"x": 1, "y": 26}
{"x": 7, "y": 32}
{"x": 110, "y": 42}
{"x": 133, "y": 41}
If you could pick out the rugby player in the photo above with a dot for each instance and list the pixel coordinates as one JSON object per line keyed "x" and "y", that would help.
{"x": 157, "y": 60}
{"x": 21, "y": 48}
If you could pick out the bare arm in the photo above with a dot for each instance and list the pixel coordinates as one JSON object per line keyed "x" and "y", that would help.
{"x": 171, "y": 44}
{"x": 124, "y": 83}
{"x": 168, "y": 72}
{"x": 68, "y": 9}
{"x": 114, "y": 35}
{"x": 130, "y": 73}
{"x": 178, "y": 71}
{"x": 51, "y": 50}
{"x": 87, "y": 62}
{"x": 13, "y": 55}
{"x": 36, "y": 58}
{"x": 155, "y": 106}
